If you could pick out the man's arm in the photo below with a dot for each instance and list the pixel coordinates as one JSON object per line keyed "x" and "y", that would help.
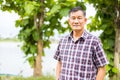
{"x": 101, "y": 73}
{"x": 58, "y": 69}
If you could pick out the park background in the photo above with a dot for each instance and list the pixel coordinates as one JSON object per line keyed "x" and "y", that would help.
{"x": 12, "y": 59}
{"x": 16, "y": 60}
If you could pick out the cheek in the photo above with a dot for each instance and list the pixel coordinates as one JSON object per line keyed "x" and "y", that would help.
{"x": 82, "y": 21}
{"x": 70, "y": 22}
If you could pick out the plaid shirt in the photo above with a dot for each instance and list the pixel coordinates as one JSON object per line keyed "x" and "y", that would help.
{"x": 80, "y": 59}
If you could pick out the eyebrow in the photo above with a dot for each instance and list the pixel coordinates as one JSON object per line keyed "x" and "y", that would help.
{"x": 74, "y": 16}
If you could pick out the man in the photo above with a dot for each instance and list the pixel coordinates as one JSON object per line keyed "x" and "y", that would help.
{"x": 80, "y": 55}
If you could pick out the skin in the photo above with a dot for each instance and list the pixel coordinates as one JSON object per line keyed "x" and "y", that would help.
{"x": 58, "y": 69}
{"x": 101, "y": 73}
{"x": 77, "y": 21}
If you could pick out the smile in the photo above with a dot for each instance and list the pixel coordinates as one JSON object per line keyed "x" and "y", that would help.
{"x": 76, "y": 25}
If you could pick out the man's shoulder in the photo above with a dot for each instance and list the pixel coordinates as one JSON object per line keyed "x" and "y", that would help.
{"x": 64, "y": 37}
{"x": 93, "y": 37}
{"x": 89, "y": 35}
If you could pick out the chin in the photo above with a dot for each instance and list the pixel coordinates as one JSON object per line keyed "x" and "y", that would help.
{"x": 76, "y": 29}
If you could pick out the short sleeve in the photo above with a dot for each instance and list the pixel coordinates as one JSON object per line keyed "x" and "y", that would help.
{"x": 57, "y": 53}
{"x": 99, "y": 56}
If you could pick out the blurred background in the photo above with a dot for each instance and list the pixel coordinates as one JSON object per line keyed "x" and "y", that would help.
{"x": 31, "y": 29}
{"x": 12, "y": 58}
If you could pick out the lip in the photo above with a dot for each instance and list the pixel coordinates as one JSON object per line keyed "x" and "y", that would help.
{"x": 76, "y": 25}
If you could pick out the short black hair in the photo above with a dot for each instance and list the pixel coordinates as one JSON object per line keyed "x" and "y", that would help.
{"x": 77, "y": 9}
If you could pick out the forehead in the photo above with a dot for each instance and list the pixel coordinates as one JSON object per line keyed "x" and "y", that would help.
{"x": 77, "y": 13}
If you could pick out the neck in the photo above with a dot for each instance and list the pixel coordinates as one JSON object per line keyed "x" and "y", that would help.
{"x": 77, "y": 34}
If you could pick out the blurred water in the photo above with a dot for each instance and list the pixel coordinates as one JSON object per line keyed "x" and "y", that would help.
{"x": 12, "y": 60}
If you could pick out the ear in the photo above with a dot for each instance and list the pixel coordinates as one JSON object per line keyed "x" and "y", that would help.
{"x": 68, "y": 20}
{"x": 85, "y": 20}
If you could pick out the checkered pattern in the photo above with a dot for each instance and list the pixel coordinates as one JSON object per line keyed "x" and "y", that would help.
{"x": 80, "y": 59}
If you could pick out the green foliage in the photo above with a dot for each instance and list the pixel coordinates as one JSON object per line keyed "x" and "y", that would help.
{"x": 105, "y": 20}
{"x": 31, "y": 8}
{"x": 54, "y": 11}
{"x": 64, "y": 11}
{"x": 29, "y": 34}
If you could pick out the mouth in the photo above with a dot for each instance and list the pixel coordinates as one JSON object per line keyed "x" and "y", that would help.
{"x": 76, "y": 25}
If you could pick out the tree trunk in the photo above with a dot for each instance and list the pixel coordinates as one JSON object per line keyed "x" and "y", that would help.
{"x": 38, "y": 60}
{"x": 117, "y": 40}
{"x": 38, "y": 21}
{"x": 117, "y": 52}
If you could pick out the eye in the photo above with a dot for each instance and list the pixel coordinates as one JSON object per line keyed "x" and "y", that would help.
{"x": 72, "y": 18}
{"x": 79, "y": 17}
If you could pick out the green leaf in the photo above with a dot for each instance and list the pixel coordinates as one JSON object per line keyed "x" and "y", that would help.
{"x": 115, "y": 70}
{"x": 25, "y": 48}
{"x": 71, "y": 0}
{"x": 1, "y": 1}
{"x": 109, "y": 54}
{"x": 30, "y": 7}
{"x": 108, "y": 31}
{"x": 31, "y": 60}
{"x": 27, "y": 31}
{"x": 103, "y": 27}
{"x": 47, "y": 43}
{"x": 33, "y": 49}
{"x": 105, "y": 44}
{"x": 35, "y": 35}
{"x": 55, "y": 9}
{"x": 64, "y": 12}
{"x": 108, "y": 67}
{"x": 108, "y": 43}
{"x": 17, "y": 24}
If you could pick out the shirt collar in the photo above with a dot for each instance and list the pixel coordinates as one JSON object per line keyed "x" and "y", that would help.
{"x": 83, "y": 36}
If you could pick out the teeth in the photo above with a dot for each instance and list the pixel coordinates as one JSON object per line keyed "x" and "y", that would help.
{"x": 76, "y": 26}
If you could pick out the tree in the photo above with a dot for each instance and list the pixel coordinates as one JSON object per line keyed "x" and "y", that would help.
{"x": 38, "y": 20}
{"x": 107, "y": 19}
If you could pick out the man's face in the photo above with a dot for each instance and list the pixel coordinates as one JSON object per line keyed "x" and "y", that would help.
{"x": 77, "y": 20}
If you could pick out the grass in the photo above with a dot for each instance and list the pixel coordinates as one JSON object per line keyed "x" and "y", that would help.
{"x": 48, "y": 77}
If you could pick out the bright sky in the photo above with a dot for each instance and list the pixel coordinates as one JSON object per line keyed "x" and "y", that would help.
{"x": 7, "y": 22}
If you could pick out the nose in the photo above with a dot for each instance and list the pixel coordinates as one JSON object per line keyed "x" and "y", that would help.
{"x": 76, "y": 21}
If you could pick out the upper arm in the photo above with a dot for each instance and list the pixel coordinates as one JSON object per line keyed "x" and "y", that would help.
{"x": 57, "y": 53}
{"x": 99, "y": 57}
